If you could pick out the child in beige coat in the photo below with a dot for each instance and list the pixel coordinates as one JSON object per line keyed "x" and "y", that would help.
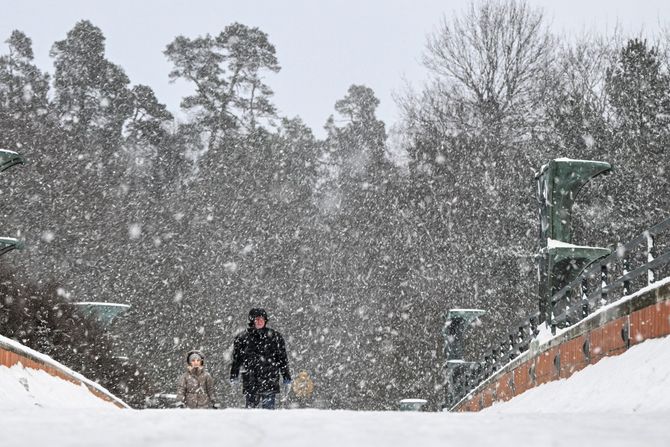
{"x": 196, "y": 386}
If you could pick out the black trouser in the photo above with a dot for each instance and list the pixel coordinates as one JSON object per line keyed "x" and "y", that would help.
{"x": 266, "y": 400}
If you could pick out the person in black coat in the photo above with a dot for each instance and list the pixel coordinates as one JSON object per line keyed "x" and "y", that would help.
{"x": 259, "y": 355}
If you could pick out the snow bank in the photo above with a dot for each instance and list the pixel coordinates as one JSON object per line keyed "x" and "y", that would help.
{"x": 314, "y": 428}
{"x": 28, "y": 388}
{"x": 621, "y": 401}
{"x": 26, "y": 352}
{"x": 634, "y": 382}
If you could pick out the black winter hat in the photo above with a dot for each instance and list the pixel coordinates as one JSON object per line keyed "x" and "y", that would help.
{"x": 257, "y": 312}
{"x": 192, "y": 353}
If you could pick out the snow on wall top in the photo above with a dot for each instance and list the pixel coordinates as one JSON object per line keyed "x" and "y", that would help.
{"x": 28, "y": 352}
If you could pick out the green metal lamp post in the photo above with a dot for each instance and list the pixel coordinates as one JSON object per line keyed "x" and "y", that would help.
{"x": 559, "y": 183}
{"x": 458, "y": 320}
{"x": 412, "y": 404}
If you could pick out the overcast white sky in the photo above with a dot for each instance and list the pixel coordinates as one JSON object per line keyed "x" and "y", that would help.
{"x": 323, "y": 46}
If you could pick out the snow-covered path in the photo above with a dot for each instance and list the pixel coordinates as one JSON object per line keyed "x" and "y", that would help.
{"x": 314, "y": 428}
{"x": 620, "y": 401}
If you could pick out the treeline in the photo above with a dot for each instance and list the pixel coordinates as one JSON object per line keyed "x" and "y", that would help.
{"x": 356, "y": 257}
{"x": 505, "y": 97}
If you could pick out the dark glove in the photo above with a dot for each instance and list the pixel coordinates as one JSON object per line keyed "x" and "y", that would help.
{"x": 287, "y": 382}
{"x": 216, "y": 406}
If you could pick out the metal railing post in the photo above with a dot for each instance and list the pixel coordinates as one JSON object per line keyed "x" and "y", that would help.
{"x": 650, "y": 257}
{"x": 626, "y": 283}
{"x": 603, "y": 284}
{"x": 584, "y": 288}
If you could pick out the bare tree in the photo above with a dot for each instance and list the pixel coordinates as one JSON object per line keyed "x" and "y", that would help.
{"x": 495, "y": 62}
{"x": 582, "y": 67}
{"x": 578, "y": 110}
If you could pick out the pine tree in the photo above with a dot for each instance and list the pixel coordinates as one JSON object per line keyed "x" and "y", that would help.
{"x": 639, "y": 91}
{"x": 92, "y": 97}
{"x": 24, "y": 106}
{"x": 227, "y": 71}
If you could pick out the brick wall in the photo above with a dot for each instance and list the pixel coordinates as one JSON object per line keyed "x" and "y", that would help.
{"x": 10, "y": 356}
{"x": 609, "y": 333}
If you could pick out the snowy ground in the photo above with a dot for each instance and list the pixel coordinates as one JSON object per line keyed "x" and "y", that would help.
{"x": 621, "y": 401}
{"x": 637, "y": 381}
{"x": 22, "y": 388}
{"x": 314, "y": 428}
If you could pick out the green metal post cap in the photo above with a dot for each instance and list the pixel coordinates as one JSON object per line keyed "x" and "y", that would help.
{"x": 9, "y": 159}
{"x": 559, "y": 183}
{"x": 560, "y": 253}
{"x": 468, "y": 315}
{"x": 8, "y": 244}
{"x": 103, "y": 312}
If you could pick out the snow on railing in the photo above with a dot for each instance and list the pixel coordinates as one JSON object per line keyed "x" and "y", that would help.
{"x": 631, "y": 269}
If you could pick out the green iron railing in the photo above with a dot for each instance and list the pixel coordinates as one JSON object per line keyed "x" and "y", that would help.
{"x": 7, "y": 160}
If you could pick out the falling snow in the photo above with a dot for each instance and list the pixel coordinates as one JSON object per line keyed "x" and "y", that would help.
{"x": 357, "y": 242}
